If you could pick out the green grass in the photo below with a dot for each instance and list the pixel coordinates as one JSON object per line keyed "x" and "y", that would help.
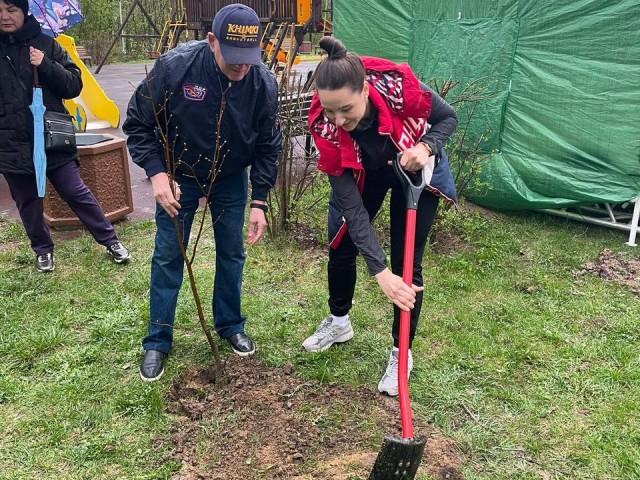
{"x": 533, "y": 370}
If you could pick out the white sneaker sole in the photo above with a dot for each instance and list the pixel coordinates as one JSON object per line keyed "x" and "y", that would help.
{"x": 244, "y": 354}
{"x": 391, "y": 392}
{"x": 119, "y": 261}
{"x": 341, "y": 339}
{"x": 149, "y": 380}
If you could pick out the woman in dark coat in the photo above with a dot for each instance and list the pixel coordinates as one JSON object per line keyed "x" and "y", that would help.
{"x": 24, "y": 48}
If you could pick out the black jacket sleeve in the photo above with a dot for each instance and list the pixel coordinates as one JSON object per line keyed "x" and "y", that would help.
{"x": 59, "y": 74}
{"x": 264, "y": 170}
{"x": 347, "y": 196}
{"x": 141, "y": 124}
{"x": 443, "y": 121}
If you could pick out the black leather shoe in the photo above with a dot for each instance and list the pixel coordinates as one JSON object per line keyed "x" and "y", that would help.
{"x": 242, "y": 344}
{"x": 152, "y": 365}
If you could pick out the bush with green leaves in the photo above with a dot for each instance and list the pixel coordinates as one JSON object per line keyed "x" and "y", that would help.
{"x": 102, "y": 21}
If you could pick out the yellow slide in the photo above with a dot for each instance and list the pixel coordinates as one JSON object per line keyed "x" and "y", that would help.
{"x": 92, "y": 109}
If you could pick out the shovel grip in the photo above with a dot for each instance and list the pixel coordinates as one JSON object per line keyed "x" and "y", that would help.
{"x": 412, "y": 185}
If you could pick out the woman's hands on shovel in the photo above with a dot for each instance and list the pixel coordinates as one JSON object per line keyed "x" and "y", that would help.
{"x": 401, "y": 294}
{"x": 416, "y": 158}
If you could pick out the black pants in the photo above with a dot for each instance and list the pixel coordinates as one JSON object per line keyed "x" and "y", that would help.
{"x": 67, "y": 182}
{"x": 342, "y": 260}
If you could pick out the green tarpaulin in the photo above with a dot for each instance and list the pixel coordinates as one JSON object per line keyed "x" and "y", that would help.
{"x": 562, "y": 122}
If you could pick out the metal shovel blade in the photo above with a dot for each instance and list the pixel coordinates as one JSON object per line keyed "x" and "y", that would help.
{"x": 399, "y": 458}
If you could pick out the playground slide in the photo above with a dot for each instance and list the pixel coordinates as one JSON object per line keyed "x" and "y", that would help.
{"x": 92, "y": 109}
{"x": 282, "y": 56}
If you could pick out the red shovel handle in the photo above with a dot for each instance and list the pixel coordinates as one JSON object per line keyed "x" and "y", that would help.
{"x": 412, "y": 190}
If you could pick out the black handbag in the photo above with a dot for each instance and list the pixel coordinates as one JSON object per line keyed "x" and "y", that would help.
{"x": 59, "y": 132}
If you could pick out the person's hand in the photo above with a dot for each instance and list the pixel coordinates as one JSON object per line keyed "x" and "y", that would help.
{"x": 35, "y": 56}
{"x": 401, "y": 294}
{"x": 163, "y": 194}
{"x": 417, "y": 158}
{"x": 257, "y": 222}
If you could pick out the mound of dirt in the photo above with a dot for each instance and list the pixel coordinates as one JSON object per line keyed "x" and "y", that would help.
{"x": 615, "y": 268}
{"x": 267, "y": 423}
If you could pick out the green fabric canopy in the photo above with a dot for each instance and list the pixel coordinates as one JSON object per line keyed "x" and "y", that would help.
{"x": 562, "y": 122}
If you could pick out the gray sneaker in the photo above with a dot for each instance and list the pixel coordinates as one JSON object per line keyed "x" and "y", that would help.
{"x": 44, "y": 263}
{"x": 118, "y": 253}
{"x": 389, "y": 382}
{"x": 327, "y": 334}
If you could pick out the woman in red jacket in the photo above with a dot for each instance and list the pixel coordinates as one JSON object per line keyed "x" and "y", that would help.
{"x": 364, "y": 112}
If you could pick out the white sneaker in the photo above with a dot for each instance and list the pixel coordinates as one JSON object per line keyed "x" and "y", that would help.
{"x": 389, "y": 382}
{"x": 327, "y": 334}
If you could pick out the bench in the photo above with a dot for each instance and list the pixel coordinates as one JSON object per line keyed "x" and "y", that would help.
{"x": 304, "y": 47}
{"x": 82, "y": 54}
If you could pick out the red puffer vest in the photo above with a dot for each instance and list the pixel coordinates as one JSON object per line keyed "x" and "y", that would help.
{"x": 403, "y": 109}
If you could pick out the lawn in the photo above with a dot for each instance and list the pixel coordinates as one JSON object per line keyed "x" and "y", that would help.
{"x": 528, "y": 363}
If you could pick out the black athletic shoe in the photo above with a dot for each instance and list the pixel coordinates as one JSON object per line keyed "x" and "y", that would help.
{"x": 242, "y": 344}
{"x": 118, "y": 253}
{"x": 44, "y": 263}
{"x": 152, "y": 365}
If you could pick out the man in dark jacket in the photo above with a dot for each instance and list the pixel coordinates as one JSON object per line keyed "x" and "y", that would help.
{"x": 203, "y": 118}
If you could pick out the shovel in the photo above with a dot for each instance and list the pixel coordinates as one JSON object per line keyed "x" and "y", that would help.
{"x": 399, "y": 458}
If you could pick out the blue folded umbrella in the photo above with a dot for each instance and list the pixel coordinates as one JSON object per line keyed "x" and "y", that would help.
{"x": 39, "y": 155}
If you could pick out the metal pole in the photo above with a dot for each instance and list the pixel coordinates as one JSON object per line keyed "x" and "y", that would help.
{"x": 632, "y": 228}
{"x": 124, "y": 48}
{"x": 634, "y": 223}
{"x": 115, "y": 38}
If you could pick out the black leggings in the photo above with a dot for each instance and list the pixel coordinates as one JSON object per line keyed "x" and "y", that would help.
{"x": 342, "y": 260}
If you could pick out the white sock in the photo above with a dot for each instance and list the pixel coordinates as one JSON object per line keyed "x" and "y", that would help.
{"x": 396, "y": 352}
{"x": 340, "y": 321}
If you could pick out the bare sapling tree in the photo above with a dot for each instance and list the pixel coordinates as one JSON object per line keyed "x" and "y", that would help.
{"x": 173, "y": 152}
{"x": 467, "y": 148}
{"x": 297, "y": 173}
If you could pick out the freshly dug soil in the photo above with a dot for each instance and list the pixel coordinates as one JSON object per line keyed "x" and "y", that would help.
{"x": 615, "y": 268}
{"x": 266, "y": 423}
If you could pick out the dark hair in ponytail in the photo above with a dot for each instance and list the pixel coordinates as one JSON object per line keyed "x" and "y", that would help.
{"x": 340, "y": 68}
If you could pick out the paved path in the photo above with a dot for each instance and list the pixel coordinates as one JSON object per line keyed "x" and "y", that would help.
{"x": 119, "y": 83}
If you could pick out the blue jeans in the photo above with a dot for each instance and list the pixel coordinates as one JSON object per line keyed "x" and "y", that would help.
{"x": 227, "y": 205}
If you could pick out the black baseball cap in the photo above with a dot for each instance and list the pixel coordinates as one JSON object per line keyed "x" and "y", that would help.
{"x": 237, "y": 28}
